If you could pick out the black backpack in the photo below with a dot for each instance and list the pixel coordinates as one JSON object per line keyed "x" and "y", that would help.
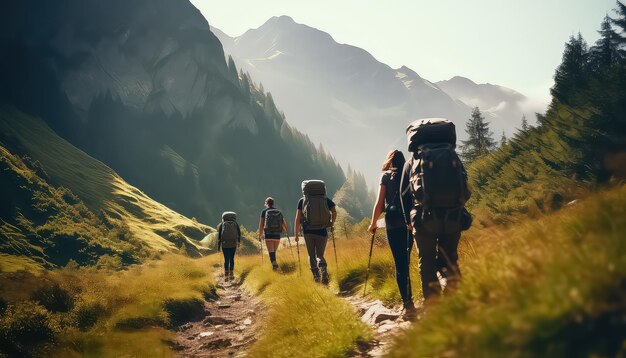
{"x": 437, "y": 179}
{"x": 315, "y": 211}
{"x": 273, "y": 222}
{"x": 230, "y": 230}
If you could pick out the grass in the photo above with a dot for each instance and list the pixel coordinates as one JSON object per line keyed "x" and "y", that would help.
{"x": 98, "y": 312}
{"x": 59, "y": 168}
{"x": 550, "y": 287}
{"x": 302, "y": 316}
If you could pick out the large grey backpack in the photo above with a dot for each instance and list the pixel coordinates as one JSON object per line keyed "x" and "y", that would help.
{"x": 273, "y": 222}
{"x": 230, "y": 232}
{"x": 315, "y": 205}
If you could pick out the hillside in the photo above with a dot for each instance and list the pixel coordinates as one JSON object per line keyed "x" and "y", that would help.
{"x": 144, "y": 87}
{"x": 340, "y": 95}
{"x": 501, "y": 102}
{"x": 58, "y": 204}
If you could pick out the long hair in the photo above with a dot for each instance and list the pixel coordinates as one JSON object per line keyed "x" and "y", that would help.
{"x": 394, "y": 161}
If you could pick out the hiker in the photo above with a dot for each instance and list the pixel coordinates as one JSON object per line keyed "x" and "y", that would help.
{"x": 399, "y": 237}
{"x": 433, "y": 192}
{"x": 317, "y": 214}
{"x": 228, "y": 239}
{"x": 271, "y": 227}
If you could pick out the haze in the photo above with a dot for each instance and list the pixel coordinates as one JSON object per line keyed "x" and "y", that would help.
{"x": 514, "y": 44}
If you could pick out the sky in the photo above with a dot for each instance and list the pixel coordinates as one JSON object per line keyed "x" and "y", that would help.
{"x": 517, "y": 44}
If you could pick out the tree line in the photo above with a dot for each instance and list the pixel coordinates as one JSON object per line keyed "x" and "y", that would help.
{"x": 577, "y": 144}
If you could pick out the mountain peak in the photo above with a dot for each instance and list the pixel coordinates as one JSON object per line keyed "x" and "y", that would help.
{"x": 282, "y": 20}
{"x": 461, "y": 79}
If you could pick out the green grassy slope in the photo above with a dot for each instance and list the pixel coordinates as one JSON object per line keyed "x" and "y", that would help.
{"x": 60, "y": 193}
{"x": 554, "y": 287}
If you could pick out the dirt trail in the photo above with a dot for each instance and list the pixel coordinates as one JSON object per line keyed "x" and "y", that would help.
{"x": 386, "y": 323}
{"x": 231, "y": 324}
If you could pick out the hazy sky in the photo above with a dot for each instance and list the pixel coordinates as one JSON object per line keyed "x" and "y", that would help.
{"x": 517, "y": 44}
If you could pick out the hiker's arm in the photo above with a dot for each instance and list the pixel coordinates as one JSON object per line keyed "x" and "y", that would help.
{"x": 378, "y": 208}
{"x": 261, "y": 223}
{"x": 219, "y": 237}
{"x": 333, "y": 218}
{"x": 238, "y": 234}
{"x": 296, "y": 225}
{"x": 285, "y": 227}
{"x": 405, "y": 193}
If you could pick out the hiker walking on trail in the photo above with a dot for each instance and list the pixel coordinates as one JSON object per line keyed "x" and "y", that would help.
{"x": 434, "y": 191}
{"x": 271, "y": 227}
{"x": 317, "y": 214}
{"x": 399, "y": 237}
{"x": 228, "y": 239}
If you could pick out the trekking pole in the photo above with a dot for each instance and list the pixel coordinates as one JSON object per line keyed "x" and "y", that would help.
{"x": 369, "y": 261}
{"x": 332, "y": 233}
{"x": 290, "y": 247}
{"x": 299, "y": 265}
{"x": 261, "y": 250}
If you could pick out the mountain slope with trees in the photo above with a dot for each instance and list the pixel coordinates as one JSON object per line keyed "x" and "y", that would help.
{"x": 144, "y": 87}
{"x": 578, "y": 144}
{"x": 58, "y": 204}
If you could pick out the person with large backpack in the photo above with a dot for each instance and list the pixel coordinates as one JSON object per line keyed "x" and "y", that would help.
{"x": 434, "y": 191}
{"x": 316, "y": 214}
{"x": 271, "y": 227}
{"x": 399, "y": 238}
{"x": 228, "y": 239}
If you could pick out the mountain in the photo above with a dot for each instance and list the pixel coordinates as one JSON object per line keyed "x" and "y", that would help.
{"x": 59, "y": 204}
{"x": 143, "y": 86}
{"x": 340, "y": 95}
{"x": 503, "y": 103}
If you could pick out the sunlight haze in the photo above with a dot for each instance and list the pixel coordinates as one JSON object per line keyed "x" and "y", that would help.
{"x": 513, "y": 44}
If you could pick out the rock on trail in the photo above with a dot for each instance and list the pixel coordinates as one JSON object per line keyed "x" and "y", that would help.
{"x": 230, "y": 326}
{"x": 387, "y": 323}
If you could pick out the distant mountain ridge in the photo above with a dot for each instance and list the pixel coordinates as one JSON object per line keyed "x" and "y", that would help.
{"x": 340, "y": 95}
{"x": 144, "y": 87}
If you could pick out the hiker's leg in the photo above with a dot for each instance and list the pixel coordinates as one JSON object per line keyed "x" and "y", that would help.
{"x": 397, "y": 238}
{"x": 320, "y": 248}
{"x": 272, "y": 244}
{"x": 231, "y": 259}
{"x": 310, "y": 249}
{"x": 427, "y": 246}
{"x": 448, "y": 251}
{"x": 226, "y": 262}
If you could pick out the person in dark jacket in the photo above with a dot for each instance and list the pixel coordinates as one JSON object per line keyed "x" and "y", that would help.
{"x": 399, "y": 237}
{"x": 228, "y": 239}
{"x": 438, "y": 252}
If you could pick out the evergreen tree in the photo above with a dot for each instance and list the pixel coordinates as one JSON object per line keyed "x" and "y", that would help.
{"x": 232, "y": 71}
{"x": 524, "y": 124}
{"x": 604, "y": 54}
{"x": 571, "y": 75}
{"x": 620, "y": 23}
{"x": 503, "y": 140}
{"x": 480, "y": 139}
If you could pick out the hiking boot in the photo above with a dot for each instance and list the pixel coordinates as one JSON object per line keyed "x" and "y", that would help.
{"x": 410, "y": 312}
{"x": 226, "y": 275}
{"x": 231, "y": 275}
{"x": 316, "y": 275}
{"x": 274, "y": 266}
{"x": 324, "y": 274}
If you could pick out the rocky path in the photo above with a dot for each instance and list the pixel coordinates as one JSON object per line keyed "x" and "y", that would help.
{"x": 387, "y": 323}
{"x": 230, "y": 326}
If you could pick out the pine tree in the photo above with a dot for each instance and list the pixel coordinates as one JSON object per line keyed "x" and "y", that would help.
{"x": 232, "y": 71}
{"x": 620, "y": 23}
{"x": 571, "y": 75}
{"x": 480, "y": 139}
{"x": 503, "y": 140}
{"x": 604, "y": 54}
{"x": 524, "y": 124}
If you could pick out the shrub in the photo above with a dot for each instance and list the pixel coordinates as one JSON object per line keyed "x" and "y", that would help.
{"x": 86, "y": 314}
{"x": 181, "y": 311}
{"x": 54, "y": 298}
{"x": 23, "y": 326}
